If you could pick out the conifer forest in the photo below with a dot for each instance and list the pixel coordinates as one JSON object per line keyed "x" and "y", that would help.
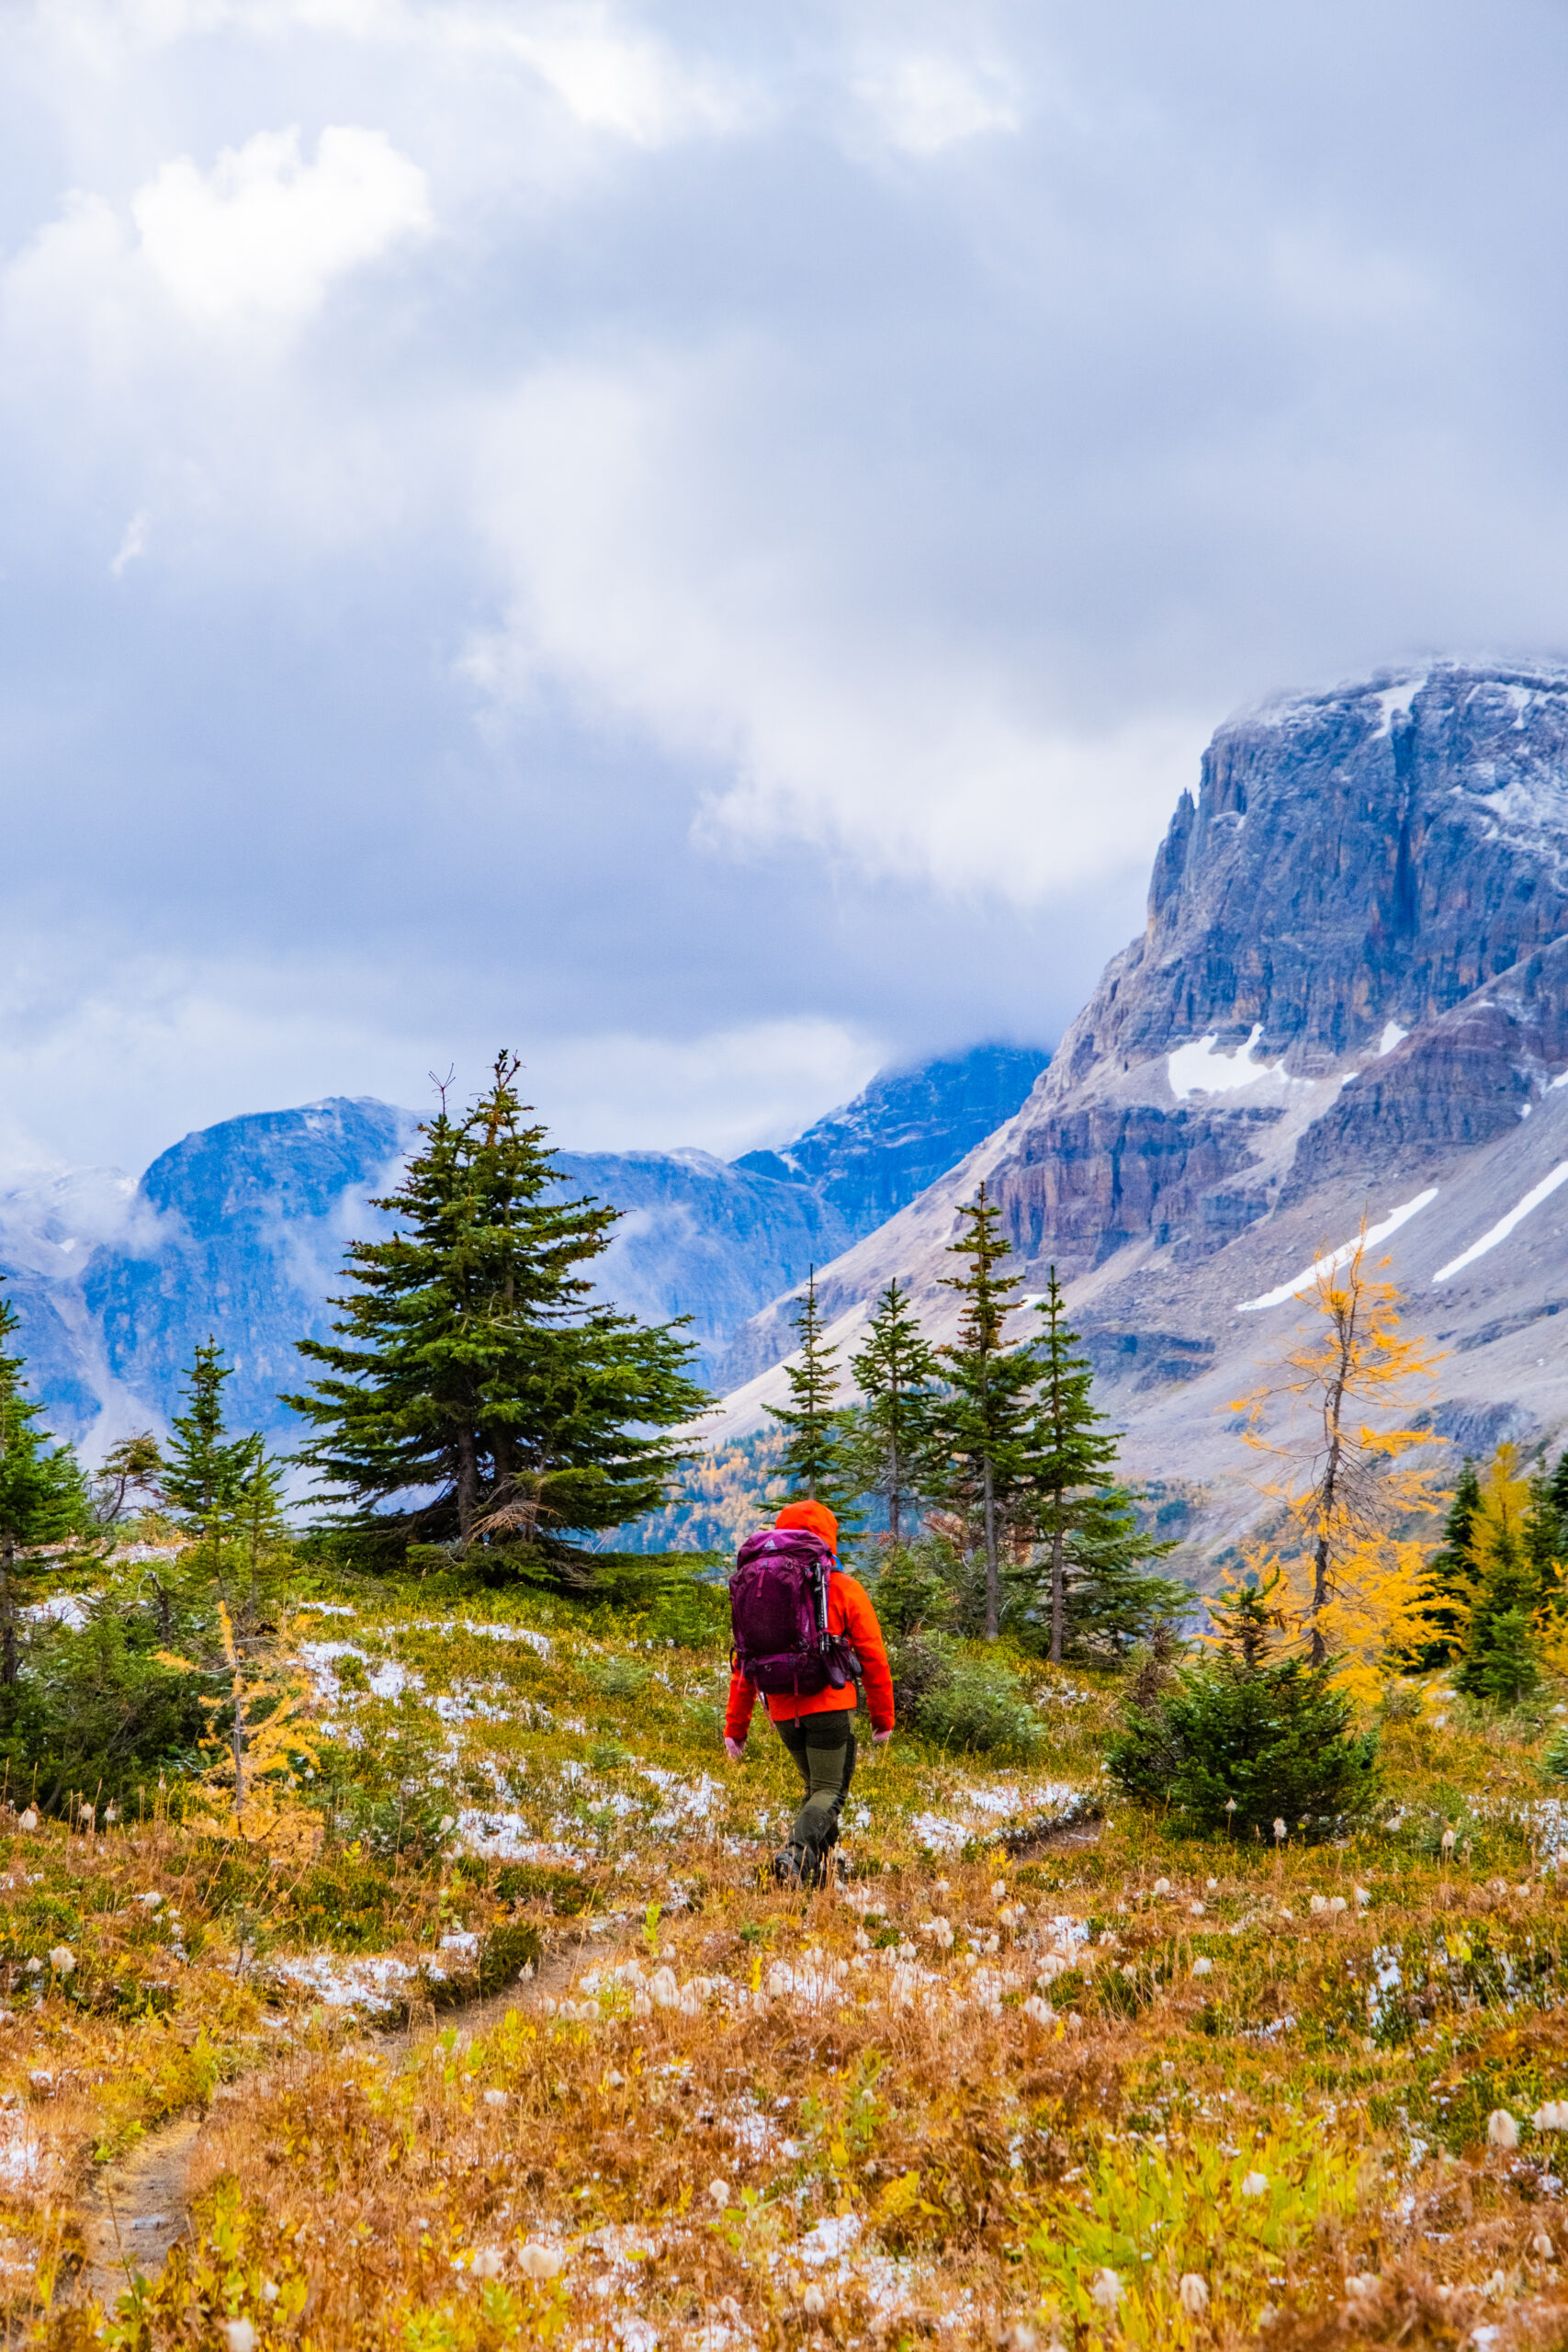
{"x": 393, "y": 1957}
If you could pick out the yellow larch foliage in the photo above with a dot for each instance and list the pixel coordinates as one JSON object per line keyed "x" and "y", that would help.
{"x": 1345, "y": 1480}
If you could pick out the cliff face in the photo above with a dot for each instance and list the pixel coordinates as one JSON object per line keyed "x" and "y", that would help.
{"x": 907, "y": 1130}
{"x": 1350, "y": 994}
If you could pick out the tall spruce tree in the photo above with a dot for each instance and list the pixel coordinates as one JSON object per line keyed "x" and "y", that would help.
{"x": 1546, "y": 1538}
{"x": 205, "y": 1464}
{"x": 474, "y": 1392}
{"x": 818, "y": 1453}
{"x": 1098, "y": 1592}
{"x": 43, "y": 1495}
{"x": 1450, "y": 1576}
{"x": 1497, "y": 1658}
{"x": 896, "y": 1372}
{"x": 982, "y": 1426}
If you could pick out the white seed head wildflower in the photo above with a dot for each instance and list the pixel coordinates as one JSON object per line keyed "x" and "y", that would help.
{"x": 488, "y": 2262}
{"x": 1449, "y": 1840}
{"x": 35, "y": 1967}
{"x": 1255, "y": 2184}
{"x": 1317, "y": 1905}
{"x": 495, "y": 2098}
{"x": 814, "y": 2302}
{"x": 1039, "y": 2012}
{"x": 62, "y": 1960}
{"x": 1193, "y": 2295}
{"x": 998, "y": 1890}
{"x": 1542, "y": 2247}
{"x": 942, "y": 1886}
{"x": 29, "y": 1820}
{"x": 1281, "y": 1832}
{"x": 1162, "y": 1886}
{"x": 240, "y": 2334}
{"x": 1363, "y": 2286}
{"x": 1203, "y": 1967}
{"x": 448, "y": 1822}
{"x": 1364, "y": 1896}
{"x": 1197, "y": 1910}
{"x": 1552, "y": 2117}
{"x": 1337, "y": 1903}
{"x": 1074, "y": 2022}
{"x": 1105, "y": 2289}
{"x": 1211, "y": 1884}
{"x": 663, "y": 1989}
{"x": 269, "y": 2290}
{"x": 718, "y": 2190}
{"x": 540, "y": 2261}
{"x": 1502, "y": 2132}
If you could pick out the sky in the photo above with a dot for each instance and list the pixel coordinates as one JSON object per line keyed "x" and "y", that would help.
{"x": 702, "y": 543}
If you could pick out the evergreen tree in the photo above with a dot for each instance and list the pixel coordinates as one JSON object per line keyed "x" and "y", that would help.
{"x": 1546, "y": 1538}
{"x": 982, "y": 1425}
{"x": 1096, "y": 1595}
{"x": 205, "y": 1464}
{"x": 896, "y": 1372}
{"x": 1245, "y": 1739}
{"x": 473, "y": 1391}
{"x": 818, "y": 1458}
{"x": 1558, "y": 1483}
{"x": 1450, "y": 1576}
{"x": 260, "y": 1518}
{"x": 1508, "y": 1588}
{"x": 135, "y": 1462}
{"x": 43, "y": 1495}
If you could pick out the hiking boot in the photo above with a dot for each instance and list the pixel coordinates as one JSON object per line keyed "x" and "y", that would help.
{"x": 791, "y": 1866}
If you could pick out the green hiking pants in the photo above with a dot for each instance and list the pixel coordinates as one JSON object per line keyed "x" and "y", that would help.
{"x": 823, "y": 1747}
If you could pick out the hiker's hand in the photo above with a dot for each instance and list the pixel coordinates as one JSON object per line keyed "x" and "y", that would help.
{"x": 735, "y": 1749}
{"x": 881, "y": 1739}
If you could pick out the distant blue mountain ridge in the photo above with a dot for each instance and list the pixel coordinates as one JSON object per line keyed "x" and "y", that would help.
{"x": 239, "y": 1229}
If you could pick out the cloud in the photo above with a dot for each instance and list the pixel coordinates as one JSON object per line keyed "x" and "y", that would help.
{"x": 678, "y": 525}
{"x": 924, "y": 102}
{"x": 671, "y": 569}
{"x": 263, "y": 236}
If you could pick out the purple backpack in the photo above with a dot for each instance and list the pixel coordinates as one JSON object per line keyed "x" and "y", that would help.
{"x": 778, "y": 1614}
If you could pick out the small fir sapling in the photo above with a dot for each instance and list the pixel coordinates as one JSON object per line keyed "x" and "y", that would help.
{"x": 1245, "y": 1736}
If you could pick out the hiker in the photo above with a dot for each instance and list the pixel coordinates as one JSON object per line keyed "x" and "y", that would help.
{"x": 804, "y": 1634}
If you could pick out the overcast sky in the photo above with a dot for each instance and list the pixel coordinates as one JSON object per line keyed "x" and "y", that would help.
{"x": 702, "y": 542}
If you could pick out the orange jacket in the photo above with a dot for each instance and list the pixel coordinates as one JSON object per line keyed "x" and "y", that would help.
{"x": 850, "y": 1613}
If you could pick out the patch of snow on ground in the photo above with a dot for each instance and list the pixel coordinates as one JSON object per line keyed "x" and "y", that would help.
{"x": 1504, "y": 1224}
{"x": 508, "y": 1837}
{"x": 825, "y": 2241}
{"x": 375, "y": 1985}
{"x": 1392, "y": 1035}
{"x": 986, "y": 1812}
{"x": 539, "y": 1642}
{"x": 1340, "y": 1257}
{"x": 71, "y": 1608}
{"x": 1199, "y": 1068}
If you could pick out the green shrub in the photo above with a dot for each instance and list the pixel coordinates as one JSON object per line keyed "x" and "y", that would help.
{"x": 970, "y": 1704}
{"x": 1241, "y": 1740}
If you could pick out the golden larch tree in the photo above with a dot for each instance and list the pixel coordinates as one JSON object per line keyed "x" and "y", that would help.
{"x": 1331, "y": 1415}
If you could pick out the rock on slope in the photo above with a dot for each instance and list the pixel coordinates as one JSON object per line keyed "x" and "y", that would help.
{"x": 1351, "y": 995}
